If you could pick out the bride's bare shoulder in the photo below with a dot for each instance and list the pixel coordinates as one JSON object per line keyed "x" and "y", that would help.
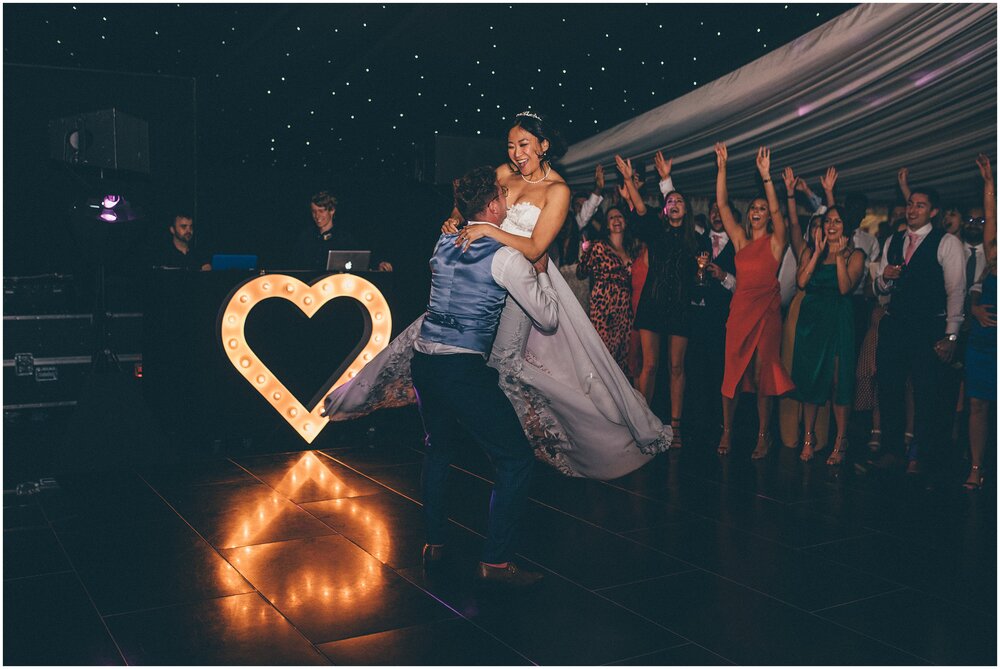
{"x": 505, "y": 172}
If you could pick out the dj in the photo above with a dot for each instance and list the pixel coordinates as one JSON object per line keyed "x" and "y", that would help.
{"x": 313, "y": 245}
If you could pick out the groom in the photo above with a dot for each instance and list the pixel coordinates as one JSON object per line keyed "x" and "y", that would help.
{"x": 454, "y": 386}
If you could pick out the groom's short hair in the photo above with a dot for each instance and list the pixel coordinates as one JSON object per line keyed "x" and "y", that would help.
{"x": 475, "y": 190}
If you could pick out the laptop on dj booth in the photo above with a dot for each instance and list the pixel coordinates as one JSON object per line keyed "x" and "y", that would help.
{"x": 348, "y": 261}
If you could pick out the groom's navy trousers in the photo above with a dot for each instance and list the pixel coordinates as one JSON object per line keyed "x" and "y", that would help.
{"x": 460, "y": 391}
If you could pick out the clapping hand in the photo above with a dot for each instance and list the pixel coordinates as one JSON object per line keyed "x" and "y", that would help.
{"x": 819, "y": 239}
{"x": 663, "y": 166}
{"x": 837, "y": 246}
{"x": 598, "y": 178}
{"x": 764, "y": 161}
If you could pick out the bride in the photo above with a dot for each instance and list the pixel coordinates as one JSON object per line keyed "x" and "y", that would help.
{"x": 575, "y": 404}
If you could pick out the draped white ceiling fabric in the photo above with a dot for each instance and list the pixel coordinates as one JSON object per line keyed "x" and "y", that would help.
{"x": 880, "y": 87}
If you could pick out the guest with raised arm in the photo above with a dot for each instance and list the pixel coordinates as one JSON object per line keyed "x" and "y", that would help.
{"x": 665, "y": 305}
{"x": 753, "y": 330}
{"x": 823, "y": 363}
{"x": 981, "y": 355}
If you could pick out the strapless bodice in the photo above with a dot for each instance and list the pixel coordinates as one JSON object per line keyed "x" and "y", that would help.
{"x": 521, "y": 219}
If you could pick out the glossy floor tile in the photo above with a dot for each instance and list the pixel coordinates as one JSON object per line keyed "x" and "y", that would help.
{"x": 31, "y": 552}
{"x": 314, "y": 557}
{"x": 748, "y": 627}
{"x": 454, "y": 642}
{"x": 923, "y": 625}
{"x": 330, "y": 589}
{"x": 133, "y": 567}
{"x": 234, "y": 630}
{"x": 50, "y": 620}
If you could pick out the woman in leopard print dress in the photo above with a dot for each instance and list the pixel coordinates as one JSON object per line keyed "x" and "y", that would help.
{"x": 608, "y": 261}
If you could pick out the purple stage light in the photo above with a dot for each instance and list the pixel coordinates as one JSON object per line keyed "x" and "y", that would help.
{"x": 110, "y": 202}
{"x": 108, "y": 215}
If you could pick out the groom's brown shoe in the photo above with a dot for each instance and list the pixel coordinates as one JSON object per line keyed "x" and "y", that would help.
{"x": 511, "y": 575}
{"x": 432, "y": 555}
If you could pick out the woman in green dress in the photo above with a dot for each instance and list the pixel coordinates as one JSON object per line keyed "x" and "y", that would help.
{"x": 823, "y": 363}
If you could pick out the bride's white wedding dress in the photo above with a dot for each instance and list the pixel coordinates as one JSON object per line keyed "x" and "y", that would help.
{"x": 575, "y": 404}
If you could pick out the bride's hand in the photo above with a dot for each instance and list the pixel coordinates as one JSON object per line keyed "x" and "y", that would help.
{"x": 450, "y": 226}
{"x": 471, "y": 233}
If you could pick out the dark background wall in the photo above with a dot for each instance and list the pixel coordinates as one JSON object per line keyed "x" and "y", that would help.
{"x": 39, "y": 191}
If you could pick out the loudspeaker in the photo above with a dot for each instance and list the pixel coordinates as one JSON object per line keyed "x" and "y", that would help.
{"x": 107, "y": 138}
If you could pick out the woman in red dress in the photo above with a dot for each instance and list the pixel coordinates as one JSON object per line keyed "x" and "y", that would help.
{"x": 753, "y": 331}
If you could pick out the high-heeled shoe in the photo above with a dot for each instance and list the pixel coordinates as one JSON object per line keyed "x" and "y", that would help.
{"x": 975, "y": 479}
{"x": 724, "y": 442}
{"x": 875, "y": 441}
{"x": 763, "y": 446}
{"x": 839, "y": 449}
{"x": 675, "y": 425}
{"x": 807, "y": 447}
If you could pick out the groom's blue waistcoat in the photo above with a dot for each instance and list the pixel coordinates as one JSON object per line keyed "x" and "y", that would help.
{"x": 465, "y": 303}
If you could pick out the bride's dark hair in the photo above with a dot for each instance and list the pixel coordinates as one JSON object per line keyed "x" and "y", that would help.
{"x": 541, "y": 127}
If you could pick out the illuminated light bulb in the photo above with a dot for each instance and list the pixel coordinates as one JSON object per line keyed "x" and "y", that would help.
{"x": 231, "y": 320}
{"x": 293, "y": 412}
{"x": 308, "y": 427}
{"x": 369, "y": 297}
{"x": 233, "y": 343}
{"x": 290, "y": 287}
{"x": 378, "y": 316}
{"x": 261, "y": 379}
{"x": 308, "y": 300}
{"x": 367, "y": 357}
{"x": 265, "y": 286}
{"x": 348, "y": 284}
{"x": 377, "y": 339}
{"x": 276, "y": 396}
{"x": 245, "y": 362}
{"x": 325, "y": 287}
{"x": 244, "y": 298}
{"x": 351, "y": 374}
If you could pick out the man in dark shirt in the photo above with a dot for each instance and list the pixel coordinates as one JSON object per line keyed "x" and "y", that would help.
{"x": 181, "y": 252}
{"x": 314, "y": 244}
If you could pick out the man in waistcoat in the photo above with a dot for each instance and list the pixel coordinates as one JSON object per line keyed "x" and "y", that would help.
{"x": 455, "y": 388}
{"x": 923, "y": 270}
{"x": 705, "y": 361}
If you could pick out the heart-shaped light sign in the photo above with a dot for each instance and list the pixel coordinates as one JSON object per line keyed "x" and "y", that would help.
{"x": 306, "y": 421}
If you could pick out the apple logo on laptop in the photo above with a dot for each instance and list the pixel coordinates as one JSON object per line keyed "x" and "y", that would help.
{"x": 348, "y": 265}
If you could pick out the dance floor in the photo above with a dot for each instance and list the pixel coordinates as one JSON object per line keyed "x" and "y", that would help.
{"x": 313, "y": 557}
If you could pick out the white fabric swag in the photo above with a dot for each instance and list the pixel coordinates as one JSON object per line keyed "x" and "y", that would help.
{"x": 880, "y": 87}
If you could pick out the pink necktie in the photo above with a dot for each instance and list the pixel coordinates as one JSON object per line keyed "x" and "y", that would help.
{"x": 911, "y": 248}
{"x": 715, "y": 246}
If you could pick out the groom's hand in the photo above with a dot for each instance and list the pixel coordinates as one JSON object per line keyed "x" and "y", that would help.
{"x": 542, "y": 264}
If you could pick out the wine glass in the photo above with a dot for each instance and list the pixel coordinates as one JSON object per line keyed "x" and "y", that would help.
{"x": 702, "y": 259}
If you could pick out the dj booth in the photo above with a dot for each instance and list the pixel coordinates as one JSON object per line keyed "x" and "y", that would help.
{"x": 191, "y": 385}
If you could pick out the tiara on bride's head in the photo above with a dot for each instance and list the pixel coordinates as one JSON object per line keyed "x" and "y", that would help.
{"x": 531, "y": 115}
